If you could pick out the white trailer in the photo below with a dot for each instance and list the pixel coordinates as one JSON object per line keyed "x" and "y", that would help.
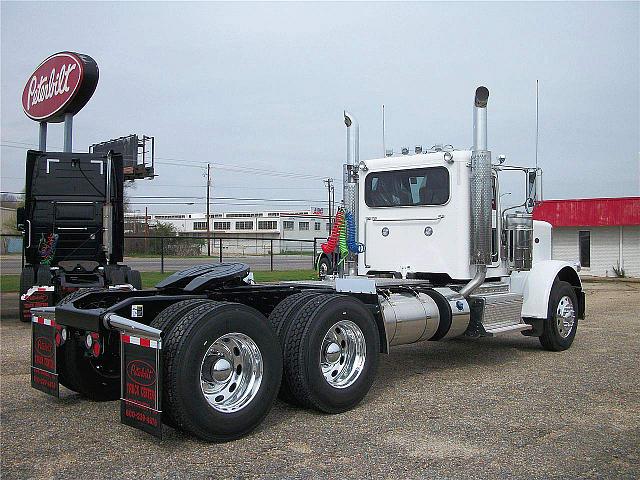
{"x": 429, "y": 255}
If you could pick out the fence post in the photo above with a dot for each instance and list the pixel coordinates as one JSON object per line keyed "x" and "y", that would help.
{"x": 161, "y": 254}
{"x": 315, "y": 249}
{"x": 271, "y": 253}
{"x": 220, "y": 249}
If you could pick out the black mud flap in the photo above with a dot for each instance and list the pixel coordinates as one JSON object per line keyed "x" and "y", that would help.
{"x": 140, "y": 404}
{"x": 44, "y": 373}
{"x": 34, "y": 298}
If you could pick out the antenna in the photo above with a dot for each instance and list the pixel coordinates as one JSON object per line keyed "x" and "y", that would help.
{"x": 384, "y": 147}
{"x": 536, "y": 125}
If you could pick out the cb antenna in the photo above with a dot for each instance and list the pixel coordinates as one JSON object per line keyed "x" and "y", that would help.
{"x": 537, "y": 125}
{"x": 384, "y": 147}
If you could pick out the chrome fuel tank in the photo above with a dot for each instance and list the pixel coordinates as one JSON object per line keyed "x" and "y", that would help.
{"x": 411, "y": 316}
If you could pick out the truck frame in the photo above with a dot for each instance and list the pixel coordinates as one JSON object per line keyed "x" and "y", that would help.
{"x": 429, "y": 255}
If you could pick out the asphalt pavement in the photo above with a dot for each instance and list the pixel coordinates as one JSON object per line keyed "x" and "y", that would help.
{"x": 489, "y": 408}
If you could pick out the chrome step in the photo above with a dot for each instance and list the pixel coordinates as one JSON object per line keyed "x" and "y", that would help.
{"x": 501, "y": 330}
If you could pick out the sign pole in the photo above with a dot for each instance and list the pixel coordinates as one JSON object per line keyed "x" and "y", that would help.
{"x": 42, "y": 144}
{"x": 68, "y": 128}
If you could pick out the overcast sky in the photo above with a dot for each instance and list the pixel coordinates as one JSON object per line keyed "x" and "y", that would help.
{"x": 262, "y": 86}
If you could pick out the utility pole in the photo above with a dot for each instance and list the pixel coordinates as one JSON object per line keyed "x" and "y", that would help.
{"x": 146, "y": 229}
{"x": 329, "y": 183}
{"x": 208, "y": 198}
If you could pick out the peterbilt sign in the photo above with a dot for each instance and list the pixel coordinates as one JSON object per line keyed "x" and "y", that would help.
{"x": 62, "y": 84}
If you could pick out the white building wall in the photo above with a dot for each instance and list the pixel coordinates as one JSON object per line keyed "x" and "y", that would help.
{"x": 631, "y": 250}
{"x": 605, "y": 248}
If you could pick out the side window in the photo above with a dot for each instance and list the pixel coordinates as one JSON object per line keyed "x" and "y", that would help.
{"x": 407, "y": 188}
{"x": 584, "y": 248}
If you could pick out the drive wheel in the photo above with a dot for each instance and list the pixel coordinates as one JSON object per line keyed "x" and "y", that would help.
{"x": 280, "y": 319}
{"x": 63, "y": 378}
{"x": 562, "y": 321}
{"x": 134, "y": 278}
{"x": 95, "y": 378}
{"x": 165, "y": 322}
{"x": 222, "y": 373}
{"x": 331, "y": 353}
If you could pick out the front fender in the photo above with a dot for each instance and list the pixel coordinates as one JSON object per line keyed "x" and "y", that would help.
{"x": 535, "y": 286}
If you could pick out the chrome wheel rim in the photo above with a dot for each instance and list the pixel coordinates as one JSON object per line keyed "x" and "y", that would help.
{"x": 231, "y": 372}
{"x": 324, "y": 268}
{"x": 343, "y": 354}
{"x": 565, "y": 316}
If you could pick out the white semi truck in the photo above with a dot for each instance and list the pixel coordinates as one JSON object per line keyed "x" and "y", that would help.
{"x": 429, "y": 255}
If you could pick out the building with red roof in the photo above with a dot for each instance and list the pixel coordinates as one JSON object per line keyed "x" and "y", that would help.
{"x": 603, "y": 234}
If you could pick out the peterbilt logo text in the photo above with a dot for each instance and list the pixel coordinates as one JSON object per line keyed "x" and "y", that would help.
{"x": 141, "y": 372}
{"x": 62, "y": 84}
{"x": 44, "y": 346}
{"x": 57, "y": 83}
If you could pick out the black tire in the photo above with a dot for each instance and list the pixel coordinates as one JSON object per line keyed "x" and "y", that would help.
{"x": 135, "y": 279}
{"x": 114, "y": 275}
{"x": 185, "y": 348}
{"x": 165, "y": 322}
{"x": 61, "y": 364}
{"x": 324, "y": 267}
{"x": 551, "y": 338}
{"x": 97, "y": 379}
{"x": 43, "y": 276}
{"x": 303, "y": 349}
{"x": 280, "y": 320}
{"x": 27, "y": 280}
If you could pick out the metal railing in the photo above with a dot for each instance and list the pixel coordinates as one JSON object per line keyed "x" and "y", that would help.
{"x": 171, "y": 253}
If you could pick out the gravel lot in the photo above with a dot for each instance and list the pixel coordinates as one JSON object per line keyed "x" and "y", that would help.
{"x": 497, "y": 407}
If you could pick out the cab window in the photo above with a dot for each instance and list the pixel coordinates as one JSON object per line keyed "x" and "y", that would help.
{"x": 407, "y": 188}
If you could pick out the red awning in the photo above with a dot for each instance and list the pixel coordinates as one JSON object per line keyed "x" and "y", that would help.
{"x": 589, "y": 212}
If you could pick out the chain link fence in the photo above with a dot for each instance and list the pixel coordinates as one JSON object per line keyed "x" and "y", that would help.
{"x": 172, "y": 253}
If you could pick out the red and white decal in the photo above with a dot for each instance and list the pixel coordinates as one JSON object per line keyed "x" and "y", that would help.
{"x": 52, "y": 86}
{"x": 32, "y": 290}
{"x": 143, "y": 342}
{"x": 44, "y": 321}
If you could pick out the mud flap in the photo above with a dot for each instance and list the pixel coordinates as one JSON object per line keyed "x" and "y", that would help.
{"x": 141, "y": 374}
{"x": 35, "y": 297}
{"x": 44, "y": 373}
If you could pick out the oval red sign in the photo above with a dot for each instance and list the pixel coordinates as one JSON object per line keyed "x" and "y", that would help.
{"x": 141, "y": 372}
{"x": 44, "y": 346}
{"x": 63, "y": 83}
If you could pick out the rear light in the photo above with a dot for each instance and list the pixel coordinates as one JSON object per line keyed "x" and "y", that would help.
{"x": 92, "y": 342}
{"x": 61, "y": 335}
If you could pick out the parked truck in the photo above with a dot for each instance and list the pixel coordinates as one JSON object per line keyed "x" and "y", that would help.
{"x": 429, "y": 255}
{"x": 72, "y": 224}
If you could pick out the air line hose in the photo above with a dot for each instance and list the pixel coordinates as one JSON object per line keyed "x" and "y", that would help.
{"x": 330, "y": 245}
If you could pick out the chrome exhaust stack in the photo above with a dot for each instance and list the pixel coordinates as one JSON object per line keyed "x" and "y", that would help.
{"x": 480, "y": 226}
{"x": 350, "y": 184}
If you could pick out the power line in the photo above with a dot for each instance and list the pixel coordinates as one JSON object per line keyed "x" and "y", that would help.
{"x": 201, "y": 164}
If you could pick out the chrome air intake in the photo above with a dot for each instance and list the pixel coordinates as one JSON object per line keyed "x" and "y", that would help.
{"x": 480, "y": 200}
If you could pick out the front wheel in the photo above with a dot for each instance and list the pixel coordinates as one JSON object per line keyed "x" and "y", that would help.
{"x": 324, "y": 267}
{"x": 562, "y": 321}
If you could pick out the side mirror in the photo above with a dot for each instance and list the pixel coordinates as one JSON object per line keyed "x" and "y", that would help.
{"x": 20, "y": 219}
